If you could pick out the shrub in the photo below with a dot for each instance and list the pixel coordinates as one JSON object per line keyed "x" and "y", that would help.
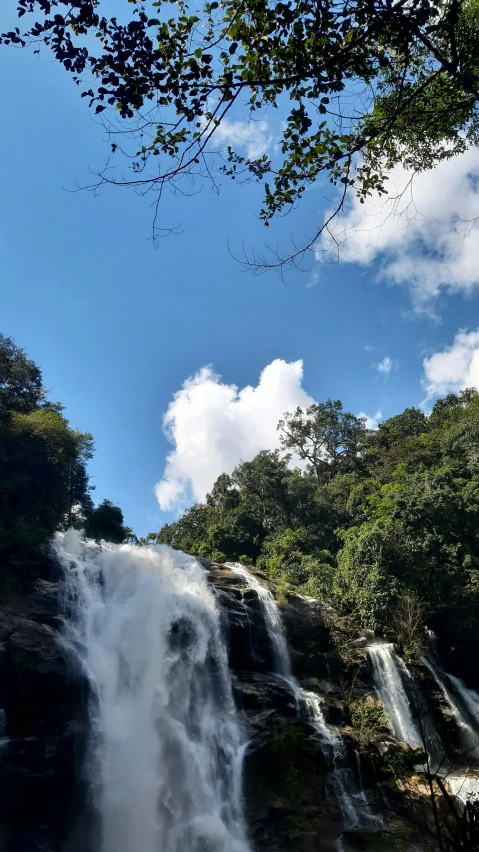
{"x": 369, "y": 718}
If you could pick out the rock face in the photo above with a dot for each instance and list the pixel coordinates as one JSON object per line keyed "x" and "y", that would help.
{"x": 41, "y": 697}
{"x": 290, "y": 802}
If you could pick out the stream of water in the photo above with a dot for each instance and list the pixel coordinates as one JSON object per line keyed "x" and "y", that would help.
{"x": 390, "y": 674}
{"x": 463, "y": 704}
{"x": 166, "y": 750}
{"x": 352, "y": 798}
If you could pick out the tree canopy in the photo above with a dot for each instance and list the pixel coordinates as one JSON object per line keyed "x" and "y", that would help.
{"x": 326, "y": 437}
{"x": 362, "y": 84}
{"x": 44, "y": 482}
{"x": 393, "y": 526}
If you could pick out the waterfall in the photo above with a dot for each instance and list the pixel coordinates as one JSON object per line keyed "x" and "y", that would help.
{"x": 352, "y": 799}
{"x": 165, "y": 751}
{"x": 390, "y": 674}
{"x": 272, "y": 617}
{"x": 463, "y": 704}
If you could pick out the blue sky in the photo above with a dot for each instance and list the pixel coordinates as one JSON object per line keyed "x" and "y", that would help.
{"x": 118, "y": 326}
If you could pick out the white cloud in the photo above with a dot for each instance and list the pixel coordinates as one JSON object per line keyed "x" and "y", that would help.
{"x": 455, "y": 368}
{"x": 385, "y": 366}
{"x": 253, "y": 136}
{"x": 423, "y": 235}
{"x": 214, "y": 425}
{"x": 372, "y": 422}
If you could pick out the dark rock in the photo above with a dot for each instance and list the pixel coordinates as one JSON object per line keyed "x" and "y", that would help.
{"x": 42, "y": 698}
{"x": 249, "y": 647}
{"x": 290, "y": 800}
{"x": 256, "y": 691}
{"x": 309, "y": 638}
{"x": 39, "y": 697}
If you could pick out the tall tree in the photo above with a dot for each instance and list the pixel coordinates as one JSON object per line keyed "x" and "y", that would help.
{"x": 80, "y": 501}
{"x": 364, "y": 84}
{"x": 44, "y": 483}
{"x": 105, "y": 521}
{"x": 326, "y": 437}
{"x": 37, "y": 453}
{"x": 20, "y": 379}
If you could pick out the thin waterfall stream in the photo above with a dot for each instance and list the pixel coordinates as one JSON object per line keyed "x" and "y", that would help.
{"x": 352, "y": 798}
{"x": 391, "y": 677}
{"x": 462, "y": 702}
{"x": 390, "y": 674}
{"x": 166, "y": 750}
{"x": 463, "y": 773}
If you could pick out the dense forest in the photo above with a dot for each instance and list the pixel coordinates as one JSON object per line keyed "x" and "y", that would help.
{"x": 382, "y": 524}
{"x": 43, "y": 472}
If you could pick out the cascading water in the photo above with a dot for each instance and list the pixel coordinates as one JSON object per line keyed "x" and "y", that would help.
{"x": 354, "y": 804}
{"x": 166, "y": 749}
{"x": 463, "y": 704}
{"x": 272, "y": 617}
{"x": 390, "y": 674}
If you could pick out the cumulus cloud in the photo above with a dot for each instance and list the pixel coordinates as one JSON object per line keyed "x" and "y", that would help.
{"x": 213, "y": 425}
{"x": 253, "y": 136}
{"x": 455, "y": 368}
{"x": 385, "y": 366}
{"x": 424, "y": 235}
{"x": 372, "y": 422}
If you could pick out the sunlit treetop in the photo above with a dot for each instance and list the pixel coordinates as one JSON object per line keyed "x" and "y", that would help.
{"x": 361, "y": 85}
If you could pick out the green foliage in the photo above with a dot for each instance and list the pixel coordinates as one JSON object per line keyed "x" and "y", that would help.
{"x": 369, "y": 719}
{"x": 43, "y": 476}
{"x": 296, "y": 557}
{"x": 37, "y": 452}
{"x": 327, "y": 438}
{"x": 106, "y": 522}
{"x": 402, "y": 762}
{"x": 21, "y": 387}
{"x": 282, "y": 595}
{"x": 388, "y": 534}
{"x": 364, "y": 85}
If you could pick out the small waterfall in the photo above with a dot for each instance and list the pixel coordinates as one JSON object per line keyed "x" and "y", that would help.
{"x": 390, "y": 674}
{"x": 352, "y": 799}
{"x": 272, "y": 617}
{"x": 165, "y": 748}
{"x": 463, "y": 704}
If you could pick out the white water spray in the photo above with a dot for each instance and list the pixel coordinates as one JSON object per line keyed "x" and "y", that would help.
{"x": 166, "y": 750}
{"x": 352, "y": 799}
{"x": 464, "y": 787}
{"x": 390, "y": 673}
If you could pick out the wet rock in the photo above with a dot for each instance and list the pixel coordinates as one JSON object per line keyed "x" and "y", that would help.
{"x": 256, "y": 691}
{"x": 309, "y": 638}
{"x": 38, "y": 695}
{"x": 41, "y": 696}
{"x": 249, "y": 647}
